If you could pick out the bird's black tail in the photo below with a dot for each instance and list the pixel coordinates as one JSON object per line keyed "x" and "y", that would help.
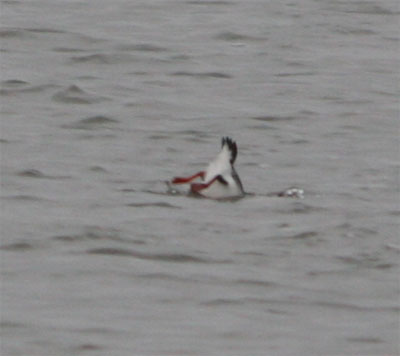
{"x": 231, "y": 147}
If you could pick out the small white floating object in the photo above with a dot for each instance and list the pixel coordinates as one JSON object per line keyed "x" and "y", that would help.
{"x": 292, "y": 193}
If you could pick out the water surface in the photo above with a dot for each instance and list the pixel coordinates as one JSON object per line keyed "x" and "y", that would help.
{"x": 103, "y": 101}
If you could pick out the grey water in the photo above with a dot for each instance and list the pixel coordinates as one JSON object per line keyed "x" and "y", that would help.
{"x": 104, "y": 101}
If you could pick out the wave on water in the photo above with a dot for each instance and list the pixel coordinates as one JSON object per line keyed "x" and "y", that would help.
{"x": 31, "y": 173}
{"x": 101, "y": 58}
{"x": 92, "y": 58}
{"x": 154, "y": 204}
{"x": 93, "y": 122}
{"x": 25, "y": 198}
{"x": 234, "y": 36}
{"x": 299, "y": 208}
{"x": 164, "y": 257}
{"x": 15, "y": 33}
{"x": 75, "y": 95}
{"x": 97, "y": 234}
{"x": 17, "y": 246}
{"x": 221, "y": 302}
{"x": 210, "y": 2}
{"x": 87, "y": 347}
{"x": 303, "y": 235}
{"x": 202, "y": 75}
{"x": 14, "y": 87}
{"x": 270, "y": 118}
{"x": 13, "y": 83}
{"x": 35, "y": 173}
{"x": 143, "y": 47}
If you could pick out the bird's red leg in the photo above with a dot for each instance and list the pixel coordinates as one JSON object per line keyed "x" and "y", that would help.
{"x": 197, "y": 187}
{"x": 183, "y": 180}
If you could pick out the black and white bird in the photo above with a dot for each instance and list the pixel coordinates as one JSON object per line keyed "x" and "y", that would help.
{"x": 220, "y": 179}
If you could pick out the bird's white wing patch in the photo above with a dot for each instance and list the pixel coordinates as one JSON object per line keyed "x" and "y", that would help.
{"x": 220, "y": 165}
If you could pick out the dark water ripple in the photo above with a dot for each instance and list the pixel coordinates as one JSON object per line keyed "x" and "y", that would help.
{"x": 300, "y": 208}
{"x": 75, "y": 95}
{"x": 201, "y": 75}
{"x": 303, "y": 235}
{"x": 93, "y": 122}
{"x": 68, "y": 50}
{"x": 25, "y": 198}
{"x": 163, "y": 257}
{"x": 159, "y": 137}
{"x": 98, "y": 169}
{"x": 360, "y": 308}
{"x": 44, "y": 30}
{"x": 97, "y": 234}
{"x": 13, "y": 83}
{"x": 15, "y": 33}
{"x": 164, "y": 277}
{"x": 143, "y": 47}
{"x": 31, "y": 173}
{"x": 367, "y": 8}
{"x": 255, "y": 283}
{"x": 93, "y": 58}
{"x": 369, "y": 340}
{"x": 234, "y": 36}
{"x": 365, "y": 261}
{"x": 101, "y": 58}
{"x": 35, "y": 173}
{"x": 94, "y": 330}
{"x": 209, "y": 280}
{"x": 295, "y": 74}
{"x": 270, "y": 118}
{"x": 18, "y": 89}
{"x": 193, "y": 134}
{"x": 11, "y": 324}
{"x": 87, "y": 347}
{"x": 210, "y": 2}
{"x": 18, "y": 247}
{"x": 155, "y": 204}
{"x": 221, "y": 302}
{"x": 354, "y": 31}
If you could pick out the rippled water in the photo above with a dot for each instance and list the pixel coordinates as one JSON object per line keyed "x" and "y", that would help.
{"x": 102, "y": 102}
